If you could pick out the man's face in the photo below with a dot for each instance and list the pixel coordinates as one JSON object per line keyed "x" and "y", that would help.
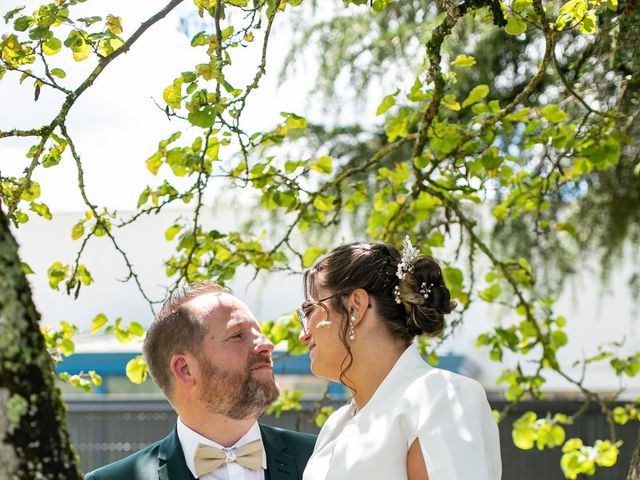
{"x": 235, "y": 375}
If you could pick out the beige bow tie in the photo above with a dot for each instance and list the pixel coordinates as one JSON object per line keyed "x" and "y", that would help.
{"x": 208, "y": 459}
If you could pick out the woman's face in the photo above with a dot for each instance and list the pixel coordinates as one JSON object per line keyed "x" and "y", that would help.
{"x": 322, "y": 336}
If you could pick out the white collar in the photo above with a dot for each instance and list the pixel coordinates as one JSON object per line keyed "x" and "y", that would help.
{"x": 189, "y": 440}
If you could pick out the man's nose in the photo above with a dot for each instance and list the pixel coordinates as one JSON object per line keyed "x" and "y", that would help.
{"x": 264, "y": 345}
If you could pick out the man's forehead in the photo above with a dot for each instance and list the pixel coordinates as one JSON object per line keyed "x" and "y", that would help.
{"x": 223, "y": 306}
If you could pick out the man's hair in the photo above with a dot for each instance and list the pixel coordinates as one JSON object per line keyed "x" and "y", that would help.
{"x": 175, "y": 330}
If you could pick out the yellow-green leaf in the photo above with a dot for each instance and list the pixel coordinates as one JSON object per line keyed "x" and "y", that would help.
{"x": 98, "y": 322}
{"x": 58, "y": 72}
{"x": 95, "y": 378}
{"x": 114, "y": 24}
{"x": 464, "y": 61}
{"x": 67, "y": 347}
{"x": 137, "y": 370}
{"x": 136, "y": 329}
{"x": 554, "y": 113}
{"x": 387, "y": 102}
{"x": 477, "y": 94}
{"x": 123, "y": 336}
{"x": 322, "y": 165}
{"x": 82, "y": 53}
{"x": 173, "y": 96}
{"x": 311, "y": 255}
{"x": 77, "y": 231}
{"x": 52, "y": 46}
{"x": 515, "y": 26}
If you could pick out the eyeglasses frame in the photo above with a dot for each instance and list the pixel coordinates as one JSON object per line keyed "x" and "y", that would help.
{"x": 304, "y": 319}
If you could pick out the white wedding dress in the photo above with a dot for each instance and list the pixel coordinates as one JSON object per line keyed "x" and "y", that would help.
{"x": 447, "y": 412}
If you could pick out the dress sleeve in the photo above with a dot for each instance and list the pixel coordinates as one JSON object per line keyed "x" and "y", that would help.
{"x": 458, "y": 434}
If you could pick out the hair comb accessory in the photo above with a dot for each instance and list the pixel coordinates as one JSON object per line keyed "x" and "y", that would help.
{"x": 396, "y": 294}
{"x": 424, "y": 291}
{"x": 409, "y": 253}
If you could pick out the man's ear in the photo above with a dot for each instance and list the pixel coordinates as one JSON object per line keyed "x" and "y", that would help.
{"x": 359, "y": 305}
{"x": 182, "y": 367}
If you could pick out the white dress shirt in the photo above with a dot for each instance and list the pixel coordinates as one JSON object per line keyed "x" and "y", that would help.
{"x": 448, "y": 413}
{"x": 229, "y": 471}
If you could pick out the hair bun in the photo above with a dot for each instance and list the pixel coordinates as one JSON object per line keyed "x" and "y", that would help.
{"x": 425, "y": 297}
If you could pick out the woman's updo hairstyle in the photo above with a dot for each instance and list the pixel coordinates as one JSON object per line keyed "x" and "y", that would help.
{"x": 412, "y": 305}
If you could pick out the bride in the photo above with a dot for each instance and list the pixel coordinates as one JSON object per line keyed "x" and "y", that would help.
{"x": 365, "y": 305}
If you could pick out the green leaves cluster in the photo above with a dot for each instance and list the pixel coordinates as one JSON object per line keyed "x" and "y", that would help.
{"x": 529, "y": 430}
{"x": 580, "y": 459}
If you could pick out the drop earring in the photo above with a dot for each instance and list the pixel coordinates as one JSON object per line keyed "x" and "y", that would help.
{"x": 352, "y": 330}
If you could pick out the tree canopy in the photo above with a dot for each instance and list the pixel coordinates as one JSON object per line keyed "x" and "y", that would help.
{"x": 525, "y": 110}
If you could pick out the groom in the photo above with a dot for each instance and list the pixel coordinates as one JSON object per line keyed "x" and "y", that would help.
{"x": 207, "y": 353}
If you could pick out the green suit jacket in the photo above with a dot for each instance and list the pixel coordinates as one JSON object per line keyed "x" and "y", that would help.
{"x": 287, "y": 454}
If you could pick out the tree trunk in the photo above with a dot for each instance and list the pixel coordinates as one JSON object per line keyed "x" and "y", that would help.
{"x": 34, "y": 443}
{"x": 634, "y": 467}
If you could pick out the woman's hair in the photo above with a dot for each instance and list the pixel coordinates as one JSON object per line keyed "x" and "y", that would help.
{"x": 412, "y": 305}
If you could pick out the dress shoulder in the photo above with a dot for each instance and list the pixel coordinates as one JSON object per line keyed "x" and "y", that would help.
{"x": 450, "y": 415}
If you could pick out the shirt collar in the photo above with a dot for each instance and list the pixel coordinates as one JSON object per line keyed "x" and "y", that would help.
{"x": 189, "y": 440}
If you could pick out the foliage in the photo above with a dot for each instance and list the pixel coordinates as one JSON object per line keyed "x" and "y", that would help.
{"x": 516, "y": 128}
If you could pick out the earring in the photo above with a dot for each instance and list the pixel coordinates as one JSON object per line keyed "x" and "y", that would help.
{"x": 352, "y": 330}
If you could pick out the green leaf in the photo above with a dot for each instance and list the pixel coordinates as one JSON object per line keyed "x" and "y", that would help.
{"x": 67, "y": 347}
{"x": 294, "y": 121}
{"x": 98, "y": 322}
{"x": 477, "y": 94}
{"x": 202, "y": 118}
{"x": 123, "y": 336}
{"x": 589, "y": 24}
{"x": 397, "y": 125}
{"x": 322, "y": 165}
{"x": 500, "y": 212}
{"x": 387, "y": 102}
{"x": 559, "y": 339}
{"x": 26, "y": 269}
{"x": 311, "y": 255}
{"x": 22, "y": 23}
{"x": 324, "y": 203}
{"x": 95, "y": 378}
{"x": 492, "y": 293}
{"x": 553, "y": 113}
{"x": 464, "y": 61}
{"x": 137, "y": 370}
{"x": 136, "y": 329}
{"x": 451, "y": 102}
{"x": 41, "y": 209}
{"x": 52, "y": 46}
{"x": 171, "y": 232}
{"x": 82, "y": 53}
{"x": 77, "y": 231}
{"x": 515, "y": 26}
{"x": 173, "y": 96}
{"x": 58, "y": 72}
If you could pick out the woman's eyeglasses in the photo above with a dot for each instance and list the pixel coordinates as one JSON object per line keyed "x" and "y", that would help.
{"x": 304, "y": 317}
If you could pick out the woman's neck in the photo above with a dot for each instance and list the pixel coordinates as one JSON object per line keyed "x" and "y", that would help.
{"x": 371, "y": 365}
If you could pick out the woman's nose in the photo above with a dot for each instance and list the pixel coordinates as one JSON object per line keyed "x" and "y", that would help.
{"x": 304, "y": 337}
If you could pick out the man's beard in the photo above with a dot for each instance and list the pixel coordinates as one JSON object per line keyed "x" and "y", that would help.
{"x": 237, "y": 395}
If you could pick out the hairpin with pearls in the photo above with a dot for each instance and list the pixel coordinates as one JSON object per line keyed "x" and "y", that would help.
{"x": 424, "y": 291}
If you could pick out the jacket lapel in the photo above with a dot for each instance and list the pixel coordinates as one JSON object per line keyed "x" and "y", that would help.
{"x": 171, "y": 463}
{"x": 280, "y": 465}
